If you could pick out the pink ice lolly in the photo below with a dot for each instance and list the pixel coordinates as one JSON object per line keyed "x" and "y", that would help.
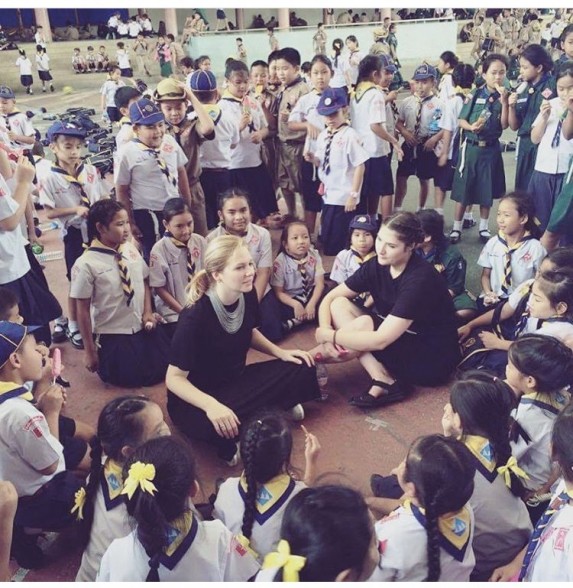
{"x": 56, "y": 363}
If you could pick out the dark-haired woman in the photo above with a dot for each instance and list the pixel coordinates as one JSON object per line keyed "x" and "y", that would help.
{"x": 411, "y": 336}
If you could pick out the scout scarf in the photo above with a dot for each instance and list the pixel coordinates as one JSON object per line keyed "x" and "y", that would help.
{"x": 271, "y": 496}
{"x": 126, "y": 284}
{"x": 181, "y": 245}
{"x": 10, "y": 390}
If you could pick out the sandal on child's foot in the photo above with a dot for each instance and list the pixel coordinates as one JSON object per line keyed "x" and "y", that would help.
{"x": 484, "y": 235}
{"x": 455, "y": 236}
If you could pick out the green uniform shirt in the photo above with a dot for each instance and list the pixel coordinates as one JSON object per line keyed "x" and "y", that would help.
{"x": 481, "y": 100}
{"x": 451, "y": 264}
{"x": 529, "y": 102}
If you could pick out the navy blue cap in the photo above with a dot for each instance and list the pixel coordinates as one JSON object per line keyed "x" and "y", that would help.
{"x": 387, "y": 63}
{"x": 331, "y": 101}
{"x": 64, "y": 128}
{"x": 11, "y": 337}
{"x": 203, "y": 81}
{"x": 425, "y": 72}
{"x": 145, "y": 112}
{"x": 7, "y": 93}
{"x": 364, "y": 222}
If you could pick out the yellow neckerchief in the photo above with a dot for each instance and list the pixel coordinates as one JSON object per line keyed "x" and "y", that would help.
{"x": 10, "y": 390}
{"x": 99, "y": 245}
{"x": 180, "y": 536}
{"x": 482, "y": 451}
{"x": 124, "y": 120}
{"x": 455, "y": 529}
{"x": 112, "y": 484}
{"x": 214, "y": 112}
{"x": 228, "y": 96}
{"x": 270, "y": 496}
{"x": 464, "y": 92}
{"x": 361, "y": 259}
{"x": 361, "y": 89}
{"x": 553, "y": 403}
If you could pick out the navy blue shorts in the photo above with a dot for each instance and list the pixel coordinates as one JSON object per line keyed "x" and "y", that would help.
{"x": 444, "y": 177}
{"x": 73, "y": 248}
{"x": 74, "y": 448}
{"x": 418, "y": 162}
{"x": 310, "y": 185}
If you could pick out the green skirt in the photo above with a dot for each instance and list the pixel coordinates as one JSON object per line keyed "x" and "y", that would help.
{"x": 526, "y": 155}
{"x": 464, "y": 301}
{"x": 166, "y": 69}
{"x": 482, "y": 177}
{"x": 561, "y": 219}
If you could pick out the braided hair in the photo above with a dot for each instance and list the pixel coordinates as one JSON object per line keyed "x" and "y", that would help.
{"x": 442, "y": 471}
{"x": 266, "y": 445}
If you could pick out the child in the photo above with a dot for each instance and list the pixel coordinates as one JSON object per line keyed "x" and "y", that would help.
{"x": 368, "y": 119}
{"x": 355, "y": 56}
{"x": 107, "y": 91}
{"x": 338, "y": 65}
{"x": 429, "y": 538}
{"x": 446, "y": 65}
{"x": 274, "y": 82}
{"x": 340, "y": 158}
{"x": 548, "y": 554}
{"x": 535, "y": 69}
{"x": 91, "y": 60}
{"x": 203, "y": 62}
{"x": 447, "y": 260}
{"x": 241, "y": 50}
{"x": 151, "y": 170}
{"x": 169, "y": 542}
{"x": 18, "y": 126}
{"x": 110, "y": 284}
{"x": 38, "y": 305}
{"x": 247, "y": 168}
{"x": 554, "y": 152}
{"x": 298, "y": 277}
{"x": 304, "y": 117}
{"x": 123, "y": 61}
{"x": 39, "y": 451}
{"x": 253, "y": 505}
{"x": 418, "y": 118}
{"x": 512, "y": 256}
{"x": 25, "y": 66}
{"x": 174, "y": 260}
{"x": 290, "y": 143}
{"x": 566, "y": 41}
{"x": 313, "y": 520}
{"x": 319, "y": 40}
{"x": 273, "y": 41}
{"x": 123, "y": 99}
{"x": 163, "y": 56}
{"x": 9, "y": 307}
{"x": 78, "y": 61}
{"x": 43, "y": 65}
{"x": 539, "y": 369}
{"x": 479, "y": 175}
{"x": 141, "y": 49}
{"x": 479, "y": 415}
{"x": 102, "y": 59}
{"x": 187, "y": 67}
{"x": 124, "y": 424}
{"x": 68, "y": 193}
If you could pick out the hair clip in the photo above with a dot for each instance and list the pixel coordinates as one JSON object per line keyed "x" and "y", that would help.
{"x": 282, "y": 558}
{"x": 140, "y": 476}
{"x": 79, "y": 503}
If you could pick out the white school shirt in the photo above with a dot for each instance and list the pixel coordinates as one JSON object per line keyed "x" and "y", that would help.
{"x": 408, "y": 109}
{"x": 287, "y": 275}
{"x": 230, "y": 507}
{"x": 449, "y": 121}
{"x": 553, "y": 160}
{"x": 404, "y": 557}
{"x": 305, "y": 111}
{"x": 123, "y": 59}
{"x": 213, "y": 556}
{"x": 344, "y": 266}
{"x": 559, "y": 329}
{"x": 258, "y": 241}
{"x": 96, "y": 276}
{"x": 216, "y": 154}
{"x": 352, "y": 62}
{"x": 346, "y": 153}
{"x": 446, "y": 87}
{"x": 112, "y": 22}
{"x": 43, "y": 61}
{"x": 168, "y": 268}
{"x": 246, "y": 154}
{"x": 146, "y": 24}
{"x": 21, "y": 125}
{"x": 535, "y": 415}
{"x": 108, "y": 89}
{"x": 25, "y": 66}
{"x": 124, "y": 135}
{"x": 13, "y": 259}
{"x": 138, "y": 169}
{"x": 27, "y": 446}
{"x": 57, "y": 192}
{"x": 338, "y": 79}
{"x": 134, "y": 28}
{"x": 122, "y": 28}
{"x": 39, "y": 39}
{"x": 367, "y": 110}
{"x": 524, "y": 262}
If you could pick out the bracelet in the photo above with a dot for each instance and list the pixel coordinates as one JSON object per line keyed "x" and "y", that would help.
{"x": 334, "y": 337}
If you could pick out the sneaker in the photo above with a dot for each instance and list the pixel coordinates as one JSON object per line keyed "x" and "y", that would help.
{"x": 469, "y": 223}
{"x": 59, "y": 333}
{"x": 75, "y": 338}
{"x": 296, "y": 413}
{"x": 25, "y": 550}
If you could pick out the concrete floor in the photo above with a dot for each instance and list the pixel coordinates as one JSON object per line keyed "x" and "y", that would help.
{"x": 354, "y": 443}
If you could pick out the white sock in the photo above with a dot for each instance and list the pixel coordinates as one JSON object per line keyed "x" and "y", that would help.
{"x": 457, "y": 226}
{"x": 468, "y": 216}
{"x": 483, "y": 222}
{"x": 440, "y": 211}
{"x": 73, "y": 326}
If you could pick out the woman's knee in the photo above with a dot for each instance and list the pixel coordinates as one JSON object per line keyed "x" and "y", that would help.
{"x": 343, "y": 311}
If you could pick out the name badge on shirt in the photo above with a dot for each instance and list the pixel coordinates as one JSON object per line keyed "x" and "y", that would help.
{"x": 480, "y": 101}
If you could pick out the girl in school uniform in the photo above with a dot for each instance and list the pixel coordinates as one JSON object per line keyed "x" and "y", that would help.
{"x": 338, "y": 79}
{"x": 429, "y": 537}
{"x": 554, "y": 152}
{"x": 535, "y": 67}
{"x": 253, "y": 505}
{"x": 353, "y": 59}
{"x": 539, "y": 369}
{"x": 340, "y": 158}
{"x": 43, "y": 65}
{"x": 297, "y": 279}
{"x": 480, "y": 177}
{"x": 174, "y": 260}
{"x": 110, "y": 284}
{"x": 328, "y": 532}
{"x": 124, "y": 424}
{"x": 169, "y": 542}
{"x": 368, "y": 119}
{"x": 479, "y": 415}
{"x": 25, "y": 65}
{"x": 304, "y": 117}
{"x": 446, "y": 64}
{"x": 514, "y": 254}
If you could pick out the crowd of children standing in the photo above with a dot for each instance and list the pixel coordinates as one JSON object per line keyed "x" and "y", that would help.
{"x": 196, "y": 174}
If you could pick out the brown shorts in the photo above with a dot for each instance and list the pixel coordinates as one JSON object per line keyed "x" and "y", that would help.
{"x": 198, "y": 209}
{"x": 289, "y": 160}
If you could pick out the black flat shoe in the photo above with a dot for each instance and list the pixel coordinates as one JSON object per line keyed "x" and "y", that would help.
{"x": 392, "y": 393}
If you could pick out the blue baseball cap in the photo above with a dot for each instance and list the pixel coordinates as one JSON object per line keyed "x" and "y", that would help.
{"x": 203, "y": 81}
{"x": 11, "y": 337}
{"x": 145, "y": 112}
{"x": 7, "y": 93}
{"x": 425, "y": 72}
{"x": 387, "y": 63}
{"x": 64, "y": 128}
{"x": 364, "y": 222}
{"x": 331, "y": 101}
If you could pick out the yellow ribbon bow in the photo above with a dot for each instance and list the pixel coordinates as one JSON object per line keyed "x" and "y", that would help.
{"x": 79, "y": 503}
{"x": 140, "y": 476}
{"x": 282, "y": 558}
{"x": 511, "y": 466}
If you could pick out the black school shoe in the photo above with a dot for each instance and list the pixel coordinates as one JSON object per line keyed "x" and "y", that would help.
{"x": 392, "y": 393}
{"x": 25, "y": 550}
{"x": 385, "y": 486}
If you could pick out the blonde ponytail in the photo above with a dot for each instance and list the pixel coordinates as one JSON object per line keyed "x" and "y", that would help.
{"x": 198, "y": 287}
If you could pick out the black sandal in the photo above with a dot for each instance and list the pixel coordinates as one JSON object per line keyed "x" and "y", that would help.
{"x": 393, "y": 393}
{"x": 455, "y": 236}
{"x": 484, "y": 235}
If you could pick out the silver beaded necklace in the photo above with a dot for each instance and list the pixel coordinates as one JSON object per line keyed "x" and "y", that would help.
{"x": 230, "y": 321}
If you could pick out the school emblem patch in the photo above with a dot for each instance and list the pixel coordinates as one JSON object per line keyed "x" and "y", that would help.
{"x": 547, "y": 93}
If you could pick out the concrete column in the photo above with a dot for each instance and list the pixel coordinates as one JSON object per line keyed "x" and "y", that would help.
{"x": 43, "y": 19}
{"x": 284, "y": 22}
{"x": 240, "y": 18}
{"x": 171, "y": 22}
{"x": 324, "y": 15}
{"x": 385, "y": 13}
